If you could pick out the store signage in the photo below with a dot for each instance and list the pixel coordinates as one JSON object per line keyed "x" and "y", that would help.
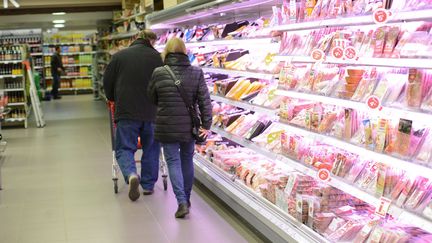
{"x": 337, "y": 52}
{"x": 374, "y": 103}
{"x": 350, "y": 53}
{"x": 383, "y": 207}
{"x": 324, "y": 175}
{"x": 381, "y": 16}
{"x": 317, "y": 55}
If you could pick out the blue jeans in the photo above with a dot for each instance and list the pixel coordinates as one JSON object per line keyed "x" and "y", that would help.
{"x": 179, "y": 158}
{"x": 126, "y": 140}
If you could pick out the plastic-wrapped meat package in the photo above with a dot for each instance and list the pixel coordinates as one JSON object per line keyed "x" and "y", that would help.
{"x": 335, "y": 224}
{"x": 346, "y": 232}
{"x": 407, "y": 191}
{"x": 416, "y": 45}
{"x": 391, "y": 41}
{"x": 424, "y": 155}
{"x": 397, "y": 84}
{"x": 244, "y": 126}
{"x": 367, "y": 179}
{"x": 302, "y": 208}
{"x": 427, "y": 102}
{"x": 322, "y": 221}
{"x": 328, "y": 120}
{"x": 356, "y": 170}
{"x": 419, "y": 194}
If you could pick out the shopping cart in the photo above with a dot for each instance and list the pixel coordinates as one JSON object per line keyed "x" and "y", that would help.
{"x": 115, "y": 166}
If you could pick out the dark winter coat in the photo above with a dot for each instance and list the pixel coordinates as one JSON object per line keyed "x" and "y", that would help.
{"x": 126, "y": 81}
{"x": 56, "y": 63}
{"x": 173, "y": 123}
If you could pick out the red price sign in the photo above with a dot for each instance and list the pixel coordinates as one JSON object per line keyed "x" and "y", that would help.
{"x": 317, "y": 55}
{"x": 324, "y": 175}
{"x": 350, "y": 53}
{"x": 383, "y": 207}
{"x": 381, "y": 16}
{"x": 373, "y": 102}
{"x": 337, "y": 52}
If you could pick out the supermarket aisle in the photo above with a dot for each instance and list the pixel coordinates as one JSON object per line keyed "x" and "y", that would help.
{"x": 57, "y": 189}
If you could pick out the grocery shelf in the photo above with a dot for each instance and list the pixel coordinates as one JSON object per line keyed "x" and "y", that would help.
{"x": 73, "y": 65}
{"x": 250, "y": 41}
{"x": 38, "y": 67}
{"x": 75, "y": 89}
{"x": 364, "y": 61}
{"x": 36, "y": 54}
{"x": 16, "y": 104}
{"x": 272, "y": 222}
{"x": 129, "y": 17}
{"x": 15, "y": 119}
{"x": 11, "y": 76}
{"x": 11, "y": 61}
{"x": 71, "y": 77}
{"x": 34, "y": 45}
{"x": 386, "y": 112}
{"x": 334, "y": 181}
{"x": 120, "y": 36}
{"x": 72, "y": 53}
{"x": 67, "y": 44}
{"x": 399, "y": 17}
{"x": 12, "y": 90}
{"x": 245, "y": 105}
{"x": 238, "y": 73}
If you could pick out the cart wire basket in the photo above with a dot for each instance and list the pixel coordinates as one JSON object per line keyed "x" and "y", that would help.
{"x": 115, "y": 167}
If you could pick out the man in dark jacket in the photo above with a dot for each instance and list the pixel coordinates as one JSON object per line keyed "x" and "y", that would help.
{"x": 125, "y": 82}
{"x": 56, "y": 70}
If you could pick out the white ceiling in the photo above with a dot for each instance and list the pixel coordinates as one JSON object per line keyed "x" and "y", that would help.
{"x": 42, "y": 17}
{"x": 66, "y": 3}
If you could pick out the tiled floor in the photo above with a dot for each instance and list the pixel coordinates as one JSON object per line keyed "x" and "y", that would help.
{"x": 58, "y": 188}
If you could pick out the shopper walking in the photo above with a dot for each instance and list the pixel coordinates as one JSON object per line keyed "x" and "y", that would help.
{"x": 173, "y": 122}
{"x": 125, "y": 82}
{"x": 56, "y": 70}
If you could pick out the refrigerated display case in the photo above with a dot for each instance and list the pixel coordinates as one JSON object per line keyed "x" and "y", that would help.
{"x": 322, "y": 114}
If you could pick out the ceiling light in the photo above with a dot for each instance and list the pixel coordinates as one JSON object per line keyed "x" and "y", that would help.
{"x": 5, "y": 3}
{"x": 59, "y": 26}
{"x": 15, "y": 3}
{"x": 59, "y": 21}
{"x": 59, "y": 13}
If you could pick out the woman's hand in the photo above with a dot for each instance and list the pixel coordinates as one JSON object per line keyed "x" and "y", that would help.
{"x": 203, "y": 132}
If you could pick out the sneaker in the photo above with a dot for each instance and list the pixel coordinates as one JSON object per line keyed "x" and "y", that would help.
{"x": 57, "y": 97}
{"x": 182, "y": 211}
{"x": 134, "y": 183}
{"x": 147, "y": 192}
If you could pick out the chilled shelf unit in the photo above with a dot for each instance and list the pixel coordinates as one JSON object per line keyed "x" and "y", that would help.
{"x": 322, "y": 129}
{"x": 13, "y": 86}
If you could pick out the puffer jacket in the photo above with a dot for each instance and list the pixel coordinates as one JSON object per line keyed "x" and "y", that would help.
{"x": 173, "y": 122}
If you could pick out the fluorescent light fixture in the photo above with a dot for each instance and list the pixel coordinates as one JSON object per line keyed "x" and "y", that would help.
{"x": 59, "y": 13}
{"x": 59, "y": 21}
{"x": 5, "y": 3}
{"x": 59, "y": 26}
{"x": 15, "y": 3}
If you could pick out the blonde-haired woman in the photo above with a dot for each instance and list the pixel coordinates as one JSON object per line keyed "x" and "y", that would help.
{"x": 173, "y": 121}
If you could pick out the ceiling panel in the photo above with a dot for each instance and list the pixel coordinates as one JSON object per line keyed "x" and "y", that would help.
{"x": 66, "y": 3}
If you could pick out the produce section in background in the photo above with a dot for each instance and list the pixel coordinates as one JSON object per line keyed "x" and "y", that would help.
{"x": 322, "y": 112}
{"x": 77, "y": 51}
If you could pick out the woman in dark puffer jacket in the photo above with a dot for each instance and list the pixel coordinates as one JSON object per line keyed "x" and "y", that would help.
{"x": 173, "y": 122}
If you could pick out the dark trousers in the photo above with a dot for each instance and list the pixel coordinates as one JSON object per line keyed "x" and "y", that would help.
{"x": 126, "y": 141}
{"x": 55, "y": 84}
